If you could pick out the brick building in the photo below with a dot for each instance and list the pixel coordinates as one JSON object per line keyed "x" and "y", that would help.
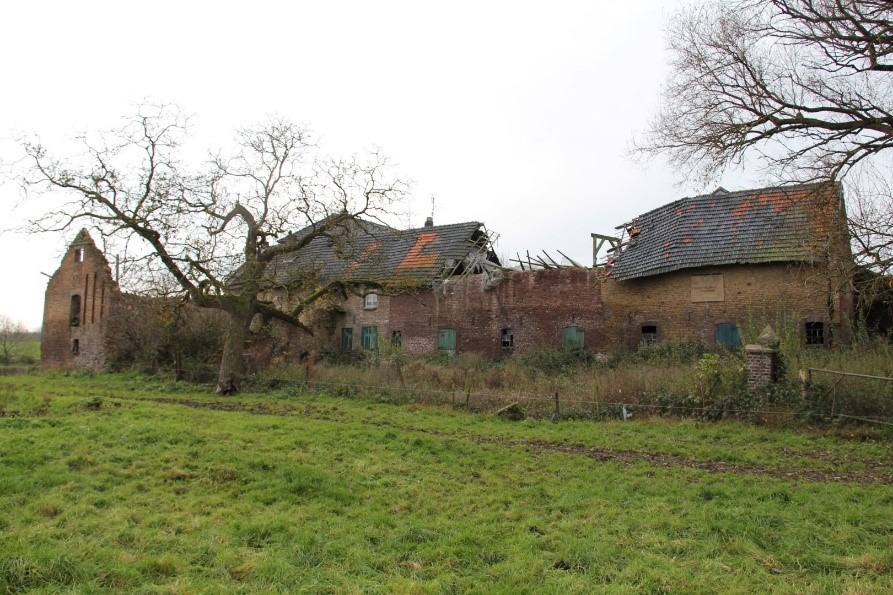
{"x": 81, "y": 297}
{"x": 715, "y": 268}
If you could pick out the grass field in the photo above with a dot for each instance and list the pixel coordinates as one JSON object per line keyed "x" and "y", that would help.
{"x": 125, "y": 484}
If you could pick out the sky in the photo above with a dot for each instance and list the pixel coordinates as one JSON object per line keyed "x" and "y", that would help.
{"x": 517, "y": 114}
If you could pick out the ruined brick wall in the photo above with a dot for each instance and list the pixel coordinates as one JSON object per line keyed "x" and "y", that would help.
{"x": 534, "y": 307}
{"x": 785, "y": 295}
{"x": 80, "y": 298}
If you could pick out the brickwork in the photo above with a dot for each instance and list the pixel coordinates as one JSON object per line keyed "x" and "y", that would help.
{"x": 759, "y": 364}
{"x": 784, "y": 294}
{"x": 80, "y": 298}
{"x": 533, "y": 307}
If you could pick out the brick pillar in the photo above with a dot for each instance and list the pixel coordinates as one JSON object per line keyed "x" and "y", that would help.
{"x": 760, "y": 360}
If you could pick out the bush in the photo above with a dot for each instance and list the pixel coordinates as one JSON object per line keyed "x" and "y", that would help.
{"x": 553, "y": 360}
{"x": 676, "y": 352}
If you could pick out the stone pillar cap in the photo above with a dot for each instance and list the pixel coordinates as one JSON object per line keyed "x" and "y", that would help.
{"x": 768, "y": 338}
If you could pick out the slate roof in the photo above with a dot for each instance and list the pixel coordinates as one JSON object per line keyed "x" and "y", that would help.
{"x": 780, "y": 224}
{"x": 366, "y": 251}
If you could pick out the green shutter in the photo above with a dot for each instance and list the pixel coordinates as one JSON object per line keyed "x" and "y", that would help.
{"x": 347, "y": 339}
{"x": 727, "y": 335}
{"x": 369, "y": 338}
{"x": 573, "y": 337}
{"x": 446, "y": 341}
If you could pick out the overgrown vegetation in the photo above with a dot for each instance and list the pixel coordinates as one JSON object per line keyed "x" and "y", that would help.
{"x": 131, "y": 484}
{"x": 669, "y": 379}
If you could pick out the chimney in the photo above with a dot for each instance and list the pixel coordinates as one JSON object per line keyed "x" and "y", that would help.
{"x": 429, "y": 222}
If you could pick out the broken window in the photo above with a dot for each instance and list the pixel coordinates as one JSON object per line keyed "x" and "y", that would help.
{"x": 396, "y": 338}
{"x": 573, "y": 337}
{"x": 78, "y": 255}
{"x": 649, "y": 334}
{"x": 74, "y": 316}
{"x": 814, "y": 333}
{"x": 369, "y": 338}
{"x": 371, "y": 301}
{"x": 347, "y": 339}
{"x": 727, "y": 335}
{"x": 446, "y": 341}
{"x": 75, "y": 347}
{"x": 508, "y": 338}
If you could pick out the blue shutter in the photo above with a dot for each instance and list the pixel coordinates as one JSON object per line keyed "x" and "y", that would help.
{"x": 446, "y": 341}
{"x": 573, "y": 337}
{"x": 727, "y": 335}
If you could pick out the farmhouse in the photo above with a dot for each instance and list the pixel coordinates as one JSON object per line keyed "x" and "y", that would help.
{"x": 711, "y": 268}
{"x": 714, "y": 268}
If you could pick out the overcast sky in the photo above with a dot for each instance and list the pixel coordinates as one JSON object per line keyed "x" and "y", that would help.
{"x": 517, "y": 114}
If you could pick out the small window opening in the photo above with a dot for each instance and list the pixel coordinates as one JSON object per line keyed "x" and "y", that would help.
{"x": 649, "y": 334}
{"x": 369, "y": 338}
{"x": 75, "y": 311}
{"x": 815, "y": 333}
{"x": 371, "y": 301}
{"x": 75, "y": 347}
{"x": 396, "y": 338}
{"x": 347, "y": 339}
{"x": 508, "y": 338}
{"x": 79, "y": 255}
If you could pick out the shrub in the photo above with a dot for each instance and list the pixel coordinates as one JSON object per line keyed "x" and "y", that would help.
{"x": 554, "y": 360}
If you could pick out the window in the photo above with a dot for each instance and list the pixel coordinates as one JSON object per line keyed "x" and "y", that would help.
{"x": 371, "y": 301}
{"x": 814, "y": 333}
{"x": 446, "y": 341}
{"x": 396, "y": 338}
{"x": 369, "y": 338}
{"x": 573, "y": 337}
{"x": 347, "y": 339}
{"x": 649, "y": 334}
{"x": 508, "y": 338}
{"x": 75, "y": 347}
{"x": 74, "y": 316}
{"x": 727, "y": 335}
{"x": 78, "y": 255}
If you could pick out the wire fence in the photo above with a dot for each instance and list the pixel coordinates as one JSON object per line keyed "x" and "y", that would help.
{"x": 815, "y": 404}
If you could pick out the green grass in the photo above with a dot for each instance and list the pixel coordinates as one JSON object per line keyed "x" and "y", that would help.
{"x": 122, "y": 483}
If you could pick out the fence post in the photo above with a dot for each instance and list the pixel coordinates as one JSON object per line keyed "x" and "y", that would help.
{"x": 805, "y": 380}
{"x": 557, "y": 407}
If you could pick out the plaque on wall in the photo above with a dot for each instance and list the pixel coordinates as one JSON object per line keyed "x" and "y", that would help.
{"x": 707, "y": 288}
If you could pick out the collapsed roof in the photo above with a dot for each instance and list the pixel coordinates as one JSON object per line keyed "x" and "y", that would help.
{"x": 781, "y": 224}
{"x": 363, "y": 251}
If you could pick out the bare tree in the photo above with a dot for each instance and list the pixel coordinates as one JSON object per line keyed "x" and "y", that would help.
{"x": 211, "y": 231}
{"x": 802, "y": 85}
{"x": 12, "y": 333}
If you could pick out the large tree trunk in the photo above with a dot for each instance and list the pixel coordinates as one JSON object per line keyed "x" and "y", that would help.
{"x": 229, "y": 379}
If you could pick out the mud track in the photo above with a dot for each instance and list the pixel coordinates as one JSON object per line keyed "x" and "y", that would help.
{"x": 881, "y": 470}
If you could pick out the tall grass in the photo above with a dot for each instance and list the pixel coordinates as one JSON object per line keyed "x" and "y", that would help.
{"x": 681, "y": 379}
